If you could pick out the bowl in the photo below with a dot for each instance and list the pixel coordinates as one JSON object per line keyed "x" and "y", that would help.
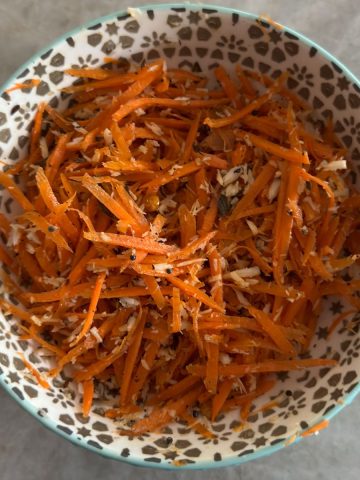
{"x": 197, "y": 38}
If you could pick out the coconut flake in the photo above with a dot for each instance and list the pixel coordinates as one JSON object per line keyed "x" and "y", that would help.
{"x": 29, "y": 248}
{"x": 224, "y": 358}
{"x": 273, "y": 190}
{"x": 332, "y": 166}
{"x": 196, "y": 208}
{"x": 139, "y": 112}
{"x": 55, "y": 282}
{"x": 128, "y": 302}
{"x": 232, "y": 175}
{"x": 15, "y": 234}
{"x": 248, "y": 272}
{"x": 166, "y": 204}
{"x": 154, "y": 128}
{"x": 43, "y": 148}
{"x": 253, "y": 227}
{"x": 135, "y": 13}
{"x": 108, "y": 137}
{"x": 95, "y": 333}
{"x": 162, "y": 267}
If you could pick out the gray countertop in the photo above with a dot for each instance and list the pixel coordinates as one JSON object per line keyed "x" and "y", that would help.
{"x": 27, "y": 450}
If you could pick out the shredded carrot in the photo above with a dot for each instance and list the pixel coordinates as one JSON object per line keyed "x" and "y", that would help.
{"x": 88, "y": 395}
{"x": 92, "y": 309}
{"x": 316, "y": 428}
{"x": 34, "y": 372}
{"x": 178, "y": 240}
{"x": 22, "y": 86}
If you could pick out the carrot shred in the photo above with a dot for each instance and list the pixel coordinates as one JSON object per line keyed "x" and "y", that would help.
{"x": 176, "y": 314}
{"x": 92, "y": 309}
{"x": 34, "y": 372}
{"x": 88, "y": 395}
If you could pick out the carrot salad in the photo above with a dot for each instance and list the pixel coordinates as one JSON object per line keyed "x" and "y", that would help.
{"x": 176, "y": 240}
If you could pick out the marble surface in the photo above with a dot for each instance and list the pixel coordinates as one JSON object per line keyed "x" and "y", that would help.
{"x": 27, "y": 450}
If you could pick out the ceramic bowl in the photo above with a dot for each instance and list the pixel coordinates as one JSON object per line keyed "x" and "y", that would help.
{"x": 196, "y": 38}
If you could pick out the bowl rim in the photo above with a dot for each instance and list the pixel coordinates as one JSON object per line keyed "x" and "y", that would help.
{"x": 49, "y": 423}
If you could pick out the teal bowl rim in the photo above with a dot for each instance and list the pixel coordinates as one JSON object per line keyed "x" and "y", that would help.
{"x": 49, "y": 423}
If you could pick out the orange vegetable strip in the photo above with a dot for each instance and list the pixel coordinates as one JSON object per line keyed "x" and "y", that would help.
{"x": 220, "y": 398}
{"x": 45, "y": 227}
{"x": 8, "y": 307}
{"x": 212, "y": 365}
{"x": 50, "y": 200}
{"x": 247, "y": 86}
{"x": 253, "y": 191}
{"x": 282, "y": 152}
{"x": 165, "y": 178}
{"x": 39, "y": 378}
{"x": 258, "y": 259}
{"x": 5, "y": 258}
{"x": 88, "y": 395}
{"x": 4, "y": 224}
{"x": 329, "y": 193}
{"x": 175, "y": 390}
{"x": 265, "y": 367}
{"x": 228, "y": 85}
{"x": 254, "y": 105}
{"x": 92, "y": 309}
{"x": 264, "y": 386}
{"x": 115, "y": 207}
{"x": 36, "y": 131}
{"x": 98, "y": 367}
{"x": 285, "y": 222}
{"x": 253, "y": 212}
{"x": 131, "y": 357}
{"x": 319, "y": 267}
{"x": 316, "y": 428}
{"x": 93, "y": 73}
{"x": 191, "y": 248}
{"x": 145, "y": 102}
{"x": 127, "y": 241}
{"x": 273, "y": 330}
{"x": 120, "y": 142}
{"x": 337, "y": 320}
{"x": 34, "y": 82}
{"x": 216, "y": 274}
{"x": 154, "y": 291}
{"x": 176, "y": 311}
{"x": 48, "y": 346}
{"x": 209, "y": 217}
{"x": 159, "y": 417}
{"x": 131, "y": 206}
{"x": 197, "y": 426}
{"x": 310, "y": 245}
{"x": 191, "y": 138}
{"x": 341, "y": 236}
{"x": 143, "y": 370}
{"x": 7, "y": 182}
{"x": 56, "y": 158}
{"x": 141, "y": 80}
{"x": 187, "y": 225}
{"x": 190, "y": 290}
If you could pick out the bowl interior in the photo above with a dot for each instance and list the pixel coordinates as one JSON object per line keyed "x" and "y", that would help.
{"x": 198, "y": 39}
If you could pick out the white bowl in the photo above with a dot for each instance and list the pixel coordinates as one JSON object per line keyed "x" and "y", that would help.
{"x": 197, "y": 38}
